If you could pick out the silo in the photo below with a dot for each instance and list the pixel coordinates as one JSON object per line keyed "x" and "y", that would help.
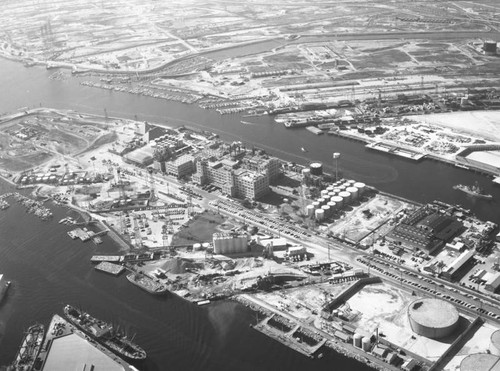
{"x": 361, "y": 187}
{"x": 205, "y": 245}
{"x": 327, "y": 210}
{"x": 338, "y": 200}
{"x": 346, "y": 196}
{"x": 353, "y": 191}
{"x": 322, "y": 201}
{"x": 333, "y": 206}
{"x": 324, "y": 193}
{"x": 306, "y": 173}
{"x": 316, "y": 168}
{"x": 356, "y": 340}
{"x": 319, "y": 214}
{"x": 366, "y": 344}
{"x": 495, "y": 343}
{"x": 342, "y": 187}
{"x": 197, "y": 247}
{"x": 310, "y": 210}
{"x": 316, "y": 204}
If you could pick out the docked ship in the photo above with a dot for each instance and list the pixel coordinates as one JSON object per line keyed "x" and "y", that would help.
{"x": 474, "y": 190}
{"x": 105, "y": 334}
{"x": 30, "y": 347}
{"x": 4, "y": 286}
{"x": 147, "y": 284}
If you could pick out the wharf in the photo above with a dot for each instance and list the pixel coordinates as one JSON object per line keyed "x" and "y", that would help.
{"x": 110, "y": 268}
{"x": 81, "y": 234}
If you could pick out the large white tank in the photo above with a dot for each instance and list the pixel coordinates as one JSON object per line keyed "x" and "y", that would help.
{"x": 337, "y": 190}
{"x": 366, "y": 344}
{"x": 331, "y": 194}
{"x": 316, "y": 204}
{"x": 338, "y": 200}
{"x": 333, "y": 206}
{"x": 356, "y": 340}
{"x": 319, "y": 214}
{"x": 322, "y": 201}
{"x": 346, "y": 196}
{"x": 350, "y": 182}
{"x": 205, "y": 245}
{"x": 361, "y": 187}
{"x": 310, "y": 210}
{"x": 306, "y": 173}
{"x": 495, "y": 343}
{"x": 197, "y": 247}
{"x": 342, "y": 188}
{"x": 330, "y": 188}
{"x": 327, "y": 210}
{"x": 353, "y": 191}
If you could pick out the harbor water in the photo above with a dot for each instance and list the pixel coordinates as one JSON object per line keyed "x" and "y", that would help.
{"x": 49, "y": 270}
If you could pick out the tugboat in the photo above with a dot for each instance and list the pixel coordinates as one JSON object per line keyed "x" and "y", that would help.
{"x": 474, "y": 190}
{"x": 104, "y": 333}
{"x": 30, "y": 347}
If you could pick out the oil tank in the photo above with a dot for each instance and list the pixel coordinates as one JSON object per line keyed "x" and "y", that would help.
{"x": 197, "y": 247}
{"x": 350, "y": 183}
{"x": 316, "y": 168}
{"x": 310, "y": 210}
{"x": 432, "y": 318}
{"x": 495, "y": 343}
{"x": 338, "y": 200}
{"x": 327, "y": 210}
{"x": 331, "y": 194}
{"x": 342, "y": 188}
{"x": 330, "y": 188}
{"x": 490, "y": 47}
{"x": 353, "y": 191}
{"x": 337, "y": 190}
{"x": 322, "y": 201}
{"x": 480, "y": 362}
{"x": 361, "y": 187}
{"x": 306, "y": 173}
{"x": 346, "y": 196}
{"x": 356, "y": 340}
{"x": 333, "y": 206}
{"x": 366, "y": 344}
{"x": 319, "y": 214}
{"x": 205, "y": 245}
{"x": 324, "y": 193}
{"x": 316, "y": 204}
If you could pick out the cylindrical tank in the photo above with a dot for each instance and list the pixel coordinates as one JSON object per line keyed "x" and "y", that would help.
{"x": 479, "y": 362}
{"x": 322, "y": 201}
{"x": 346, "y": 196}
{"x": 327, "y": 210}
{"x": 366, "y": 344}
{"x": 337, "y": 190}
{"x": 197, "y": 247}
{"x": 316, "y": 168}
{"x": 338, "y": 200}
{"x": 353, "y": 191}
{"x": 319, "y": 214}
{"x": 306, "y": 173}
{"x": 361, "y": 187}
{"x": 350, "y": 182}
{"x": 310, "y": 210}
{"x": 205, "y": 245}
{"x": 331, "y": 194}
{"x": 356, "y": 340}
{"x": 316, "y": 204}
{"x": 432, "y": 318}
{"x": 324, "y": 192}
{"x": 333, "y": 206}
{"x": 495, "y": 343}
{"x": 342, "y": 188}
{"x": 330, "y": 188}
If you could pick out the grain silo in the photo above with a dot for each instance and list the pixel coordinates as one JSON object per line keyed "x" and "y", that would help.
{"x": 356, "y": 340}
{"x": 366, "y": 344}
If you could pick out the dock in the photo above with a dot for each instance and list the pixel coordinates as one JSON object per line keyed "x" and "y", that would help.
{"x": 110, "y": 268}
{"x": 395, "y": 150}
{"x": 79, "y": 233}
{"x": 314, "y": 130}
{"x": 106, "y": 258}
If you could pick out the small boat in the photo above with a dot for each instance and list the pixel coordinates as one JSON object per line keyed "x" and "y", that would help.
{"x": 473, "y": 190}
{"x": 303, "y": 149}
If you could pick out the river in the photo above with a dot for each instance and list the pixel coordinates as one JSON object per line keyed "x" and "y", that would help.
{"x": 48, "y": 269}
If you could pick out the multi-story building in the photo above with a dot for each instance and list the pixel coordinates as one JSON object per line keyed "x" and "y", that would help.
{"x": 180, "y": 167}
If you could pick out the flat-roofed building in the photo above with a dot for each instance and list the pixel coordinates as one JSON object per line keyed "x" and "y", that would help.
{"x": 180, "y": 167}
{"x": 492, "y": 282}
{"x": 458, "y": 265}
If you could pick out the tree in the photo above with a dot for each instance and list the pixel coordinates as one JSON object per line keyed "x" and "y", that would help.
{"x": 162, "y": 153}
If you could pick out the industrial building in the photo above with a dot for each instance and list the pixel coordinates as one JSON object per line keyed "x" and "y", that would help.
{"x": 458, "y": 266}
{"x": 492, "y": 281}
{"x": 425, "y": 229}
{"x": 432, "y": 318}
{"x": 180, "y": 167}
{"x": 229, "y": 243}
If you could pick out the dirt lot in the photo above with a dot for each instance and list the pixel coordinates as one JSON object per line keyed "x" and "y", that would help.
{"x": 200, "y": 229}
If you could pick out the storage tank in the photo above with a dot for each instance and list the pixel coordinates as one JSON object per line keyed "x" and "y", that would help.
{"x": 205, "y": 245}
{"x": 310, "y": 210}
{"x": 324, "y": 193}
{"x": 338, "y": 200}
{"x": 342, "y": 188}
{"x": 197, "y": 247}
{"x": 495, "y": 343}
{"x": 331, "y": 194}
{"x": 479, "y": 362}
{"x": 433, "y": 318}
{"x": 346, "y": 196}
{"x": 366, "y": 344}
{"x": 322, "y": 201}
{"x": 356, "y": 340}
{"x": 337, "y": 190}
{"x": 361, "y": 187}
{"x": 327, "y": 210}
{"x": 333, "y": 206}
{"x": 316, "y": 204}
{"x": 350, "y": 182}
{"x": 330, "y": 188}
{"x": 353, "y": 191}
{"x": 319, "y": 214}
{"x": 306, "y": 173}
{"x": 316, "y": 168}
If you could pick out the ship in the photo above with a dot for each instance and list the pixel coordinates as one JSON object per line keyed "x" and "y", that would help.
{"x": 147, "y": 284}
{"x": 105, "y": 334}
{"x": 474, "y": 190}
{"x": 303, "y": 149}
{"x": 4, "y": 286}
{"x": 30, "y": 347}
